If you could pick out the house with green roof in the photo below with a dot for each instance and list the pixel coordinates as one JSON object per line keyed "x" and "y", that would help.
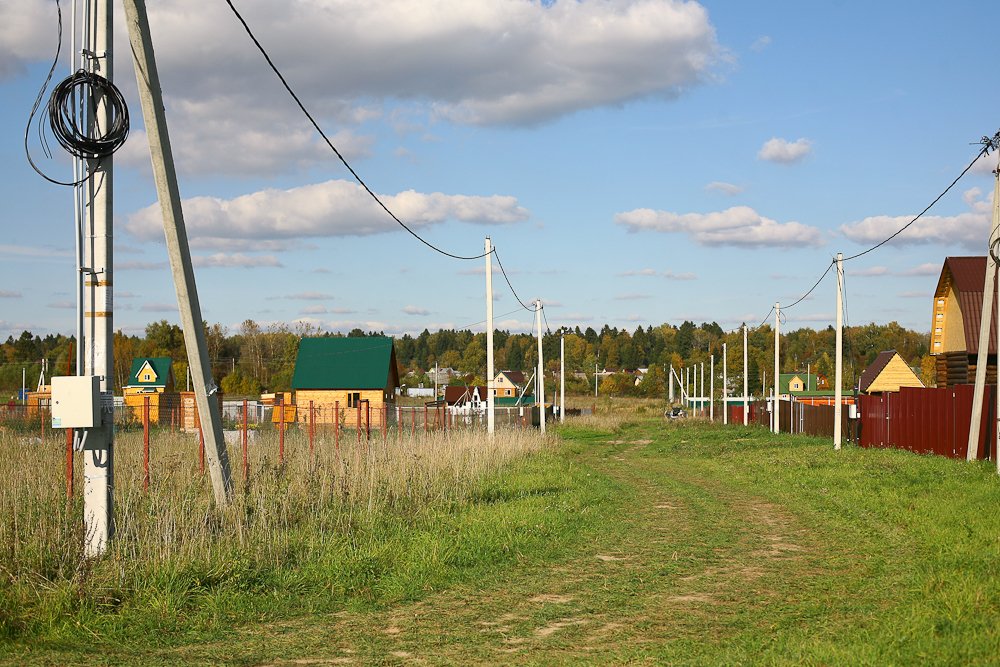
{"x": 151, "y": 377}
{"x": 339, "y": 376}
{"x": 790, "y": 384}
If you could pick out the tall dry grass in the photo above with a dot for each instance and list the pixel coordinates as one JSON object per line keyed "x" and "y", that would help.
{"x": 309, "y": 510}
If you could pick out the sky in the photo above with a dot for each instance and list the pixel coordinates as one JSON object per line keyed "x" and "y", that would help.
{"x": 634, "y": 162}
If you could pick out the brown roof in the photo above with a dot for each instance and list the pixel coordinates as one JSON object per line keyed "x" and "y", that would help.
{"x": 517, "y": 377}
{"x": 969, "y": 275}
{"x": 870, "y": 373}
{"x": 460, "y": 395}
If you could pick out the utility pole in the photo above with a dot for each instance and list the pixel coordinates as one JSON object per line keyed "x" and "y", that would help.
{"x": 539, "y": 377}
{"x": 490, "y": 371}
{"x": 989, "y": 295}
{"x": 98, "y": 442}
{"x": 175, "y": 232}
{"x": 725, "y": 389}
{"x": 562, "y": 378}
{"x": 595, "y": 380}
{"x": 777, "y": 369}
{"x": 702, "y": 392}
{"x": 838, "y": 409}
{"x": 711, "y": 389}
{"x": 746, "y": 380}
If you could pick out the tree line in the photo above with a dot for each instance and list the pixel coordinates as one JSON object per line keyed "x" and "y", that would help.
{"x": 257, "y": 358}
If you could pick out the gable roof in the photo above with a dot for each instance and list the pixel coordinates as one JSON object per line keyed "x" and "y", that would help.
{"x": 901, "y": 375}
{"x": 346, "y": 363}
{"x": 162, "y": 368}
{"x": 515, "y": 377}
{"x": 785, "y": 379}
{"x": 968, "y": 275}
{"x": 460, "y": 395}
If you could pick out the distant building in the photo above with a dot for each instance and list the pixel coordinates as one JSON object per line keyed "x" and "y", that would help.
{"x": 888, "y": 373}
{"x": 508, "y": 383}
{"x": 958, "y": 307}
{"x": 153, "y": 378}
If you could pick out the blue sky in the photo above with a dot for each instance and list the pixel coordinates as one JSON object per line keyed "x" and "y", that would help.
{"x": 634, "y": 162}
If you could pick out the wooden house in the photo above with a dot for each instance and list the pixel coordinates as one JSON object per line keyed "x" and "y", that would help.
{"x": 152, "y": 377}
{"x": 344, "y": 373}
{"x": 888, "y": 373}
{"x": 958, "y": 307}
{"x": 508, "y": 383}
{"x": 790, "y": 384}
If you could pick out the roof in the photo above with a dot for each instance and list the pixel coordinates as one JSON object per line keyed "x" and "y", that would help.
{"x": 786, "y": 378}
{"x": 346, "y": 363}
{"x": 517, "y": 377}
{"x": 968, "y": 277}
{"x": 162, "y": 368}
{"x": 459, "y": 395}
{"x": 881, "y": 361}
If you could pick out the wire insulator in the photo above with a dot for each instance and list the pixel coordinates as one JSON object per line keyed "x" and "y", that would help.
{"x": 70, "y": 129}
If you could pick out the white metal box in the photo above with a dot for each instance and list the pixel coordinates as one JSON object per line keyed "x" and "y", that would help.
{"x": 76, "y": 401}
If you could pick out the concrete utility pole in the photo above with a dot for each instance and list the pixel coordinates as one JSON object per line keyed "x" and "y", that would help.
{"x": 746, "y": 380}
{"x": 177, "y": 248}
{"x": 99, "y": 445}
{"x": 725, "y": 390}
{"x": 989, "y": 295}
{"x": 702, "y": 393}
{"x": 838, "y": 408}
{"x": 562, "y": 378}
{"x": 490, "y": 372}
{"x": 777, "y": 370}
{"x": 711, "y": 389}
{"x": 539, "y": 377}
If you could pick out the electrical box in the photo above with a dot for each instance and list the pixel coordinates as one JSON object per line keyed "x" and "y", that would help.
{"x": 852, "y": 411}
{"x": 76, "y": 401}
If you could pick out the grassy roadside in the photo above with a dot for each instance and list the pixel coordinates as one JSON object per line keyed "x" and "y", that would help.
{"x": 642, "y": 542}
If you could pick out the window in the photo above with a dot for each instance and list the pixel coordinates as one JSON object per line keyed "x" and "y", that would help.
{"x": 507, "y": 392}
{"x": 353, "y": 399}
{"x": 146, "y": 377}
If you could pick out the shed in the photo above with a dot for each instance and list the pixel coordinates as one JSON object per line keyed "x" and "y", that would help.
{"x": 888, "y": 373}
{"x": 958, "y": 306}
{"x": 344, "y": 373}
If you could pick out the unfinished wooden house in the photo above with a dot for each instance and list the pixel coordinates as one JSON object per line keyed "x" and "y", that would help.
{"x": 888, "y": 372}
{"x": 152, "y": 378}
{"x": 344, "y": 373}
{"x": 958, "y": 304}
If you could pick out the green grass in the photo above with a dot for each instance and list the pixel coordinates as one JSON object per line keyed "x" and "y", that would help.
{"x": 639, "y": 542}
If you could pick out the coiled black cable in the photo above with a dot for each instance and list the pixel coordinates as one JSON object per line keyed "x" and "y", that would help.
{"x": 69, "y": 128}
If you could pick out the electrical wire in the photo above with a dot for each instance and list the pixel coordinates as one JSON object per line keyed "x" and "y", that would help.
{"x": 500, "y": 264}
{"x": 548, "y": 329}
{"x": 803, "y": 297}
{"x": 330, "y": 143}
{"x": 988, "y": 143}
{"x": 474, "y": 324}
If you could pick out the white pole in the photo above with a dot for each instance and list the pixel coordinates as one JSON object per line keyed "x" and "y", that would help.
{"x": 702, "y": 392}
{"x": 540, "y": 376}
{"x": 98, "y": 467}
{"x": 562, "y": 378}
{"x": 711, "y": 390}
{"x": 725, "y": 390}
{"x": 777, "y": 368}
{"x": 838, "y": 372}
{"x": 989, "y": 290}
{"x": 746, "y": 379}
{"x": 670, "y": 378}
{"x": 490, "y": 372}
{"x": 175, "y": 233}
{"x": 595, "y": 380}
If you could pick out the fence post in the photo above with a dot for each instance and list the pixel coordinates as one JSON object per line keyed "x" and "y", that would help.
{"x": 311, "y": 425}
{"x": 145, "y": 442}
{"x": 281, "y": 432}
{"x": 358, "y": 421}
{"x": 413, "y": 422}
{"x": 425, "y": 419}
{"x": 336, "y": 429}
{"x": 368, "y": 421}
{"x": 69, "y": 464}
{"x": 399, "y": 423}
{"x": 246, "y": 472}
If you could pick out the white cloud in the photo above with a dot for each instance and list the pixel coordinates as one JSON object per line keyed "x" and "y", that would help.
{"x": 549, "y": 303}
{"x": 414, "y": 310}
{"x": 140, "y": 266}
{"x": 632, "y": 318}
{"x": 310, "y": 296}
{"x": 817, "y": 317}
{"x": 985, "y": 164}
{"x": 125, "y": 295}
{"x": 341, "y": 311}
{"x": 969, "y": 230}
{"x": 727, "y": 189}
{"x": 642, "y": 272}
{"x": 670, "y": 275}
{"x": 874, "y": 271}
{"x": 236, "y": 259}
{"x": 761, "y": 43}
{"x": 632, "y": 295}
{"x": 27, "y": 34}
{"x": 158, "y": 307}
{"x": 476, "y": 62}
{"x": 313, "y": 310}
{"x": 783, "y": 152}
{"x": 739, "y": 226}
{"x": 9, "y": 294}
{"x": 333, "y": 208}
{"x": 63, "y": 304}
{"x": 929, "y": 269}
{"x": 914, "y": 295}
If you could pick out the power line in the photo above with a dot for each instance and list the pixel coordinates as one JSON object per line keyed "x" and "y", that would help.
{"x": 500, "y": 264}
{"x": 803, "y": 297}
{"x": 987, "y": 143}
{"x": 330, "y": 143}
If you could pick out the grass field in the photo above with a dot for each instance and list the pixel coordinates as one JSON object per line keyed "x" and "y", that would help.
{"x": 627, "y": 540}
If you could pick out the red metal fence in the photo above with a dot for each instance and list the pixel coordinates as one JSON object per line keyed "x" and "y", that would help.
{"x": 927, "y": 421}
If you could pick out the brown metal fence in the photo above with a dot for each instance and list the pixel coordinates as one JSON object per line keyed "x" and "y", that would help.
{"x": 797, "y": 417}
